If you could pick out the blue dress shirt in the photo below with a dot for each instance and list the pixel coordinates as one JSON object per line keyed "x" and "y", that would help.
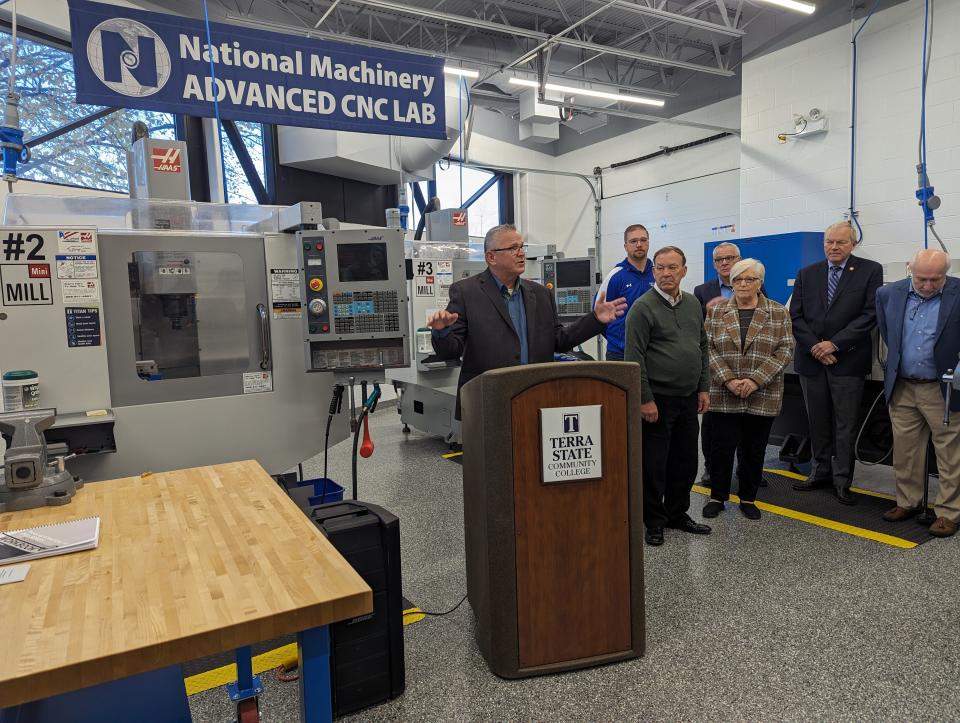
{"x": 518, "y": 315}
{"x": 725, "y": 291}
{"x": 919, "y": 336}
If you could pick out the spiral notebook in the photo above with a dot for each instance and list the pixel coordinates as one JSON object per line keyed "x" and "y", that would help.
{"x": 48, "y": 540}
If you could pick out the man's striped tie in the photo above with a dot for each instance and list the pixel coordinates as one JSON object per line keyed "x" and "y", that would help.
{"x": 832, "y": 282}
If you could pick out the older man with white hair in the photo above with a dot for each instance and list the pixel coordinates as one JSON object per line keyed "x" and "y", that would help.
{"x": 833, "y": 309}
{"x": 919, "y": 319}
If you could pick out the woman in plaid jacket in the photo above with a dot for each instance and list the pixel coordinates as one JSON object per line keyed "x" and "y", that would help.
{"x": 751, "y": 342}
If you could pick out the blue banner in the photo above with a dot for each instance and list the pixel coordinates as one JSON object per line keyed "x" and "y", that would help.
{"x": 134, "y": 59}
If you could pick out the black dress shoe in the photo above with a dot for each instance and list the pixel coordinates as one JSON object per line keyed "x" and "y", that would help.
{"x": 688, "y": 525}
{"x": 654, "y": 536}
{"x": 812, "y": 484}
{"x": 712, "y": 508}
{"x": 843, "y": 494}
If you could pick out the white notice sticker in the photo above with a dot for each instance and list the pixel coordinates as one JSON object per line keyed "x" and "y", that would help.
{"x": 285, "y": 284}
{"x": 82, "y": 243}
{"x": 444, "y": 281}
{"x": 76, "y": 267}
{"x": 256, "y": 382}
{"x": 80, "y": 292}
{"x": 14, "y": 573}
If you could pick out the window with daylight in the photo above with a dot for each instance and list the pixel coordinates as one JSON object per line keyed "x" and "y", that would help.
{"x": 239, "y": 189}
{"x": 93, "y": 155}
{"x": 456, "y": 185}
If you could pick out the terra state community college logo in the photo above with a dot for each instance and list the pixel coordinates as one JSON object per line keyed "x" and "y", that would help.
{"x": 128, "y": 57}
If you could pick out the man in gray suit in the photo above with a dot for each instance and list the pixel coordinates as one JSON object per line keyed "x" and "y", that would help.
{"x": 496, "y": 319}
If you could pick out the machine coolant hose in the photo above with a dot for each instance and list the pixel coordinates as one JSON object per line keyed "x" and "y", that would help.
{"x": 366, "y": 449}
{"x": 369, "y": 405}
{"x": 356, "y": 443}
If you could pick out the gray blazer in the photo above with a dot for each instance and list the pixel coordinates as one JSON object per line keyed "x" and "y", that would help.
{"x": 891, "y": 307}
{"x": 484, "y": 335}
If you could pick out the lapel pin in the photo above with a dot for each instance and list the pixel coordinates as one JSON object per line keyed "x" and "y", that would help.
{"x": 850, "y": 269}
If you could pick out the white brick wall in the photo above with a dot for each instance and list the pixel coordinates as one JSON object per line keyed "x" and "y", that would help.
{"x": 574, "y": 207}
{"x": 804, "y": 185}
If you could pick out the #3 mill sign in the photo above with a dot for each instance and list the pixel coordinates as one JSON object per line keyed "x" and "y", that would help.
{"x": 571, "y": 443}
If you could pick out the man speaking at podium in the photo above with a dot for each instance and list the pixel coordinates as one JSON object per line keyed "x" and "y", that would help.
{"x": 496, "y": 319}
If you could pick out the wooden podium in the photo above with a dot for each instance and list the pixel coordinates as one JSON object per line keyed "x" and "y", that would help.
{"x": 554, "y": 542}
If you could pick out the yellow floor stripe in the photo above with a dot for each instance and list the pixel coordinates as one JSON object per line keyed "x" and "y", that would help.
{"x": 412, "y": 615}
{"x": 451, "y": 455}
{"x": 228, "y": 673}
{"x": 787, "y": 473}
{"x": 823, "y": 522}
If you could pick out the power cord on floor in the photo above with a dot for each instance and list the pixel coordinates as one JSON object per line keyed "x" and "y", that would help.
{"x": 856, "y": 445}
{"x": 283, "y": 677}
{"x": 435, "y": 614}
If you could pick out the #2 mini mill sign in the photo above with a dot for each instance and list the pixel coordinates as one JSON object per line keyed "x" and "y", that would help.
{"x": 571, "y": 443}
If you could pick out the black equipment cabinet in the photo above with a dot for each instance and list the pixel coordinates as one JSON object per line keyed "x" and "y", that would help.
{"x": 366, "y": 653}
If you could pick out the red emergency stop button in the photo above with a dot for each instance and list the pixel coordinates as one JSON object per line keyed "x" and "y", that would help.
{"x": 316, "y": 284}
{"x": 319, "y": 246}
{"x": 325, "y": 327}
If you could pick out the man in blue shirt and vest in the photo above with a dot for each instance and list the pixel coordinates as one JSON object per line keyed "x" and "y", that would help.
{"x": 630, "y": 279}
{"x": 919, "y": 320}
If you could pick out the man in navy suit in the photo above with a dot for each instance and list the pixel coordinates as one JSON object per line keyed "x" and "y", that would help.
{"x": 834, "y": 311}
{"x": 919, "y": 321}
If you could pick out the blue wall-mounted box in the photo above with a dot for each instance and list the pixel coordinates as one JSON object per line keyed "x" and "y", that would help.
{"x": 782, "y": 254}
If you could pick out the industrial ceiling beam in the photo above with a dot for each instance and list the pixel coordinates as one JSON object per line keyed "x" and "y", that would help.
{"x": 669, "y": 17}
{"x": 649, "y": 30}
{"x": 515, "y": 31}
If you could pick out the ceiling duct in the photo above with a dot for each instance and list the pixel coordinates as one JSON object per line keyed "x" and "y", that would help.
{"x": 374, "y": 158}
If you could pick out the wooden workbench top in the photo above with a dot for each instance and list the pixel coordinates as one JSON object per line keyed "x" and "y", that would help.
{"x": 190, "y": 563}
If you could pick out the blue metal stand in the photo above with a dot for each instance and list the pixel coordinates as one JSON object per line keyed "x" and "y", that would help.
{"x": 248, "y": 685}
{"x": 316, "y": 698}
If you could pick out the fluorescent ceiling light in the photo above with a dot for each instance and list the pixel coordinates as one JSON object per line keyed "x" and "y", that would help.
{"x": 570, "y": 90}
{"x": 793, "y": 5}
{"x": 466, "y": 73}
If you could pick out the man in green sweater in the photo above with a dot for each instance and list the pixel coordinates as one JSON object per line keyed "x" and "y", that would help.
{"x": 665, "y": 335}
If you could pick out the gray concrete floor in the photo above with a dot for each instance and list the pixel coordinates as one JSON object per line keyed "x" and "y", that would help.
{"x": 769, "y": 620}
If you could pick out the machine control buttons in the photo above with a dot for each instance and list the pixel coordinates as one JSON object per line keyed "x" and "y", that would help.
{"x": 325, "y": 327}
{"x": 319, "y": 246}
{"x": 306, "y": 246}
{"x": 316, "y": 284}
{"x": 318, "y": 306}
{"x": 548, "y": 285}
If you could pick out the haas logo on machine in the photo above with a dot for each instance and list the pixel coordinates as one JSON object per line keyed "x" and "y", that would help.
{"x": 460, "y": 218}
{"x": 166, "y": 159}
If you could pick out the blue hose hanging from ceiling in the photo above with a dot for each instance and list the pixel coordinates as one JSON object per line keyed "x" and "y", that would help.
{"x": 925, "y": 191}
{"x": 853, "y": 121}
{"x": 216, "y": 104}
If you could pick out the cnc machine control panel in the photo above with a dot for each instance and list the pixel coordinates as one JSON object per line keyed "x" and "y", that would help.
{"x": 573, "y": 283}
{"x": 356, "y": 301}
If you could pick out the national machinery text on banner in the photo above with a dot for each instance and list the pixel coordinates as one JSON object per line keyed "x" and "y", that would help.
{"x": 135, "y": 59}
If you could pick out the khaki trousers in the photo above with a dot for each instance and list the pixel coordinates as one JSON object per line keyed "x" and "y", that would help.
{"x": 916, "y": 411}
